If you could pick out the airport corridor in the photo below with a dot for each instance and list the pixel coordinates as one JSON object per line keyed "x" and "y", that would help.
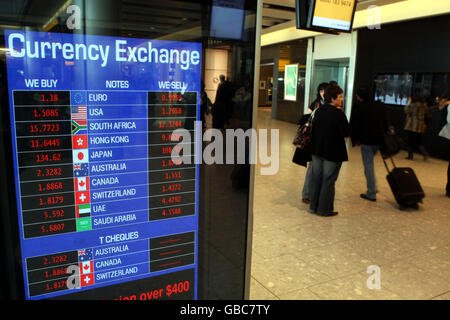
{"x": 301, "y": 256}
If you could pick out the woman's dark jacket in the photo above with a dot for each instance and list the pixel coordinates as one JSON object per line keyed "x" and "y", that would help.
{"x": 330, "y": 127}
{"x": 368, "y": 123}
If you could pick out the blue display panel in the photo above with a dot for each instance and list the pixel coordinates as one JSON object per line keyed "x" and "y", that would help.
{"x": 100, "y": 201}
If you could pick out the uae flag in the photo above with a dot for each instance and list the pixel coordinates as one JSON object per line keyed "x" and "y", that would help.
{"x": 83, "y": 211}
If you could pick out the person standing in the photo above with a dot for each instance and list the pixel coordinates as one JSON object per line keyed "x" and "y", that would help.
{"x": 328, "y": 150}
{"x": 320, "y": 100}
{"x": 368, "y": 123}
{"x": 445, "y": 133}
{"x": 415, "y": 125}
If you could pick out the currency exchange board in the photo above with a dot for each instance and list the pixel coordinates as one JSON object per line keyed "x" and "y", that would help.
{"x": 102, "y": 206}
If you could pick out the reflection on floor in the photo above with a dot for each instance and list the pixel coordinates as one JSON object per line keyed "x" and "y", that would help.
{"x": 297, "y": 255}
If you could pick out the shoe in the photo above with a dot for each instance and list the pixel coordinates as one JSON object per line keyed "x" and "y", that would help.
{"x": 364, "y": 196}
{"x": 327, "y": 214}
{"x": 448, "y": 194}
{"x": 312, "y": 211}
{"x": 306, "y": 200}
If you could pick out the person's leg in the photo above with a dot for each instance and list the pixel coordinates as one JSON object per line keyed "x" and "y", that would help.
{"x": 421, "y": 147}
{"x": 410, "y": 138}
{"x": 327, "y": 191}
{"x": 306, "y": 185}
{"x": 316, "y": 182}
{"x": 368, "y": 153}
{"x": 448, "y": 179}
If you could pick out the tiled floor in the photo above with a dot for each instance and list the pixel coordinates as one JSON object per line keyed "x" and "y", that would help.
{"x": 297, "y": 255}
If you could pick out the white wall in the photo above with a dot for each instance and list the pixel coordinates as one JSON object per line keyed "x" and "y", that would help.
{"x": 216, "y": 63}
{"x": 332, "y": 47}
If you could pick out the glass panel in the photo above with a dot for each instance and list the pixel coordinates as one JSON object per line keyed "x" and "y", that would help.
{"x": 92, "y": 94}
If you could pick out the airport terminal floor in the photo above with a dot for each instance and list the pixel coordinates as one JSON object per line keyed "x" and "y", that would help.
{"x": 301, "y": 256}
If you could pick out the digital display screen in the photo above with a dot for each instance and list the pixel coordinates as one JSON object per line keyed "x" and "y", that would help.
{"x": 333, "y": 14}
{"x": 393, "y": 89}
{"x": 102, "y": 207}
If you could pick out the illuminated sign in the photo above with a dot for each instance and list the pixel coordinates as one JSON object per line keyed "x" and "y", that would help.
{"x": 290, "y": 82}
{"x": 333, "y": 14}
{"x": 103, "y": 210}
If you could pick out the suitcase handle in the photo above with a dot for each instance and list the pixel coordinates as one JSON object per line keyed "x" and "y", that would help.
{"x": 385, "y": 164}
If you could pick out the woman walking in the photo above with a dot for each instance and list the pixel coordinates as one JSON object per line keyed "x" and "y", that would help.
{"x": 415, "y": 125}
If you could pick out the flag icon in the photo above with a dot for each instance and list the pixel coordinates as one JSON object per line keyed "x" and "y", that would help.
{"x": 84, "y": 224}
{"x": 80, "y": 141}
{"x": 83, "y": 210}
{"x": 82, "y": 197}
{"x": 79, "y": 113}
{"x": 81, "y": 169}
{"x": 82, "y": 184}
{"x": 87, "y": 280}
{"x": 79, "y": 127}
{"x": 81, "y": 156}
{"x": 85, "y": 254}
{"x": 86, "y": 267}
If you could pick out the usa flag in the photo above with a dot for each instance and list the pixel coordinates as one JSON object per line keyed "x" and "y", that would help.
{"x": 79, "y": 113}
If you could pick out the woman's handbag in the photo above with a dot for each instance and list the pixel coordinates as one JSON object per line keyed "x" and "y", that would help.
{"x": 303, "y": 137}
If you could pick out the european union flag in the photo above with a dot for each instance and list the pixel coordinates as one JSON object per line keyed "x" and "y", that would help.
{"x": 78, "y": 98}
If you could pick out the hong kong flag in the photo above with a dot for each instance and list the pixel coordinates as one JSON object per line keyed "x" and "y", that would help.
{"x": 82, "y": 197}
{"x": 86, "y": 267}
{"x": 82, "y": 184}
{"x": 87, "y": 279}
{"x": 80, "y": 141}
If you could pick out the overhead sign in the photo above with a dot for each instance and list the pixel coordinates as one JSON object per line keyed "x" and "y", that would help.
{"x": 333, "y": 14}
{"x": 103, "y": 210}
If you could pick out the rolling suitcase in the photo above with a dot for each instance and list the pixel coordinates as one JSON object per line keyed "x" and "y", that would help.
{"x": 405, "y": 186}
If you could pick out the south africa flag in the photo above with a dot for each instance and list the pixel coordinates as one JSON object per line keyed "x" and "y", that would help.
{"x": 79, "y": 127}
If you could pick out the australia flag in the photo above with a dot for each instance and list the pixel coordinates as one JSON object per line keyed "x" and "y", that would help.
{"x": 85, "y": 254}
{"x": 81, "y": 170}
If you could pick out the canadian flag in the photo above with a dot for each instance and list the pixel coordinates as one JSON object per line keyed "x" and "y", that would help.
{"x": 82, "y": 184}
{"x": 86, "y": 267}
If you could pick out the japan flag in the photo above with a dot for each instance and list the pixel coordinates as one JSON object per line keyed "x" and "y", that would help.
{"x": 81, "y": 156}
{"x": 86, "y": 267}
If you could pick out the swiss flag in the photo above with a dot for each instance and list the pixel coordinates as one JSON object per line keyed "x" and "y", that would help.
{"x": 82, "y": 184}
{"x": 86, "y": 267}
{"x": 82, "y": 197}
{"x": 87, "y": 279}
{"x": 80, "y": 141}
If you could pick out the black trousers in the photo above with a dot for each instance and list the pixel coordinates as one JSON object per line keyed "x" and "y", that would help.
{"x": 448, "y": 178}
{"x": 415, "y": 142}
